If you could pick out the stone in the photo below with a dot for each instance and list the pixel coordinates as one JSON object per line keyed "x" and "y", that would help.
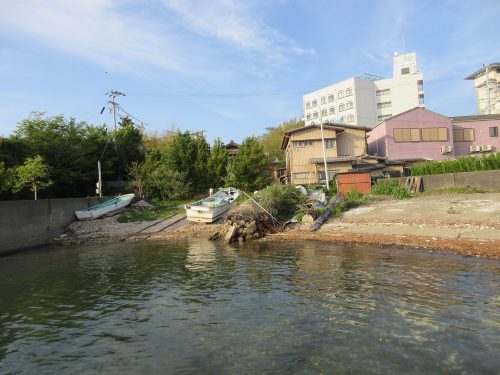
{"x": 307, "y": 219}
{"x": 231, "y": 233}
{"x": 241, "y": 239}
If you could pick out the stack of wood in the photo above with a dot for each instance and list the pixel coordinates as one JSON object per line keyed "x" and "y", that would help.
{"x": 243, "y": 223}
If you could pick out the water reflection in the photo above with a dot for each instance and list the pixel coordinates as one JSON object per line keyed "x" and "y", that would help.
{"x": 265, "y": 307}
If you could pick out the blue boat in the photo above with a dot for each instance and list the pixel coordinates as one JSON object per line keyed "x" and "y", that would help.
{"x": 103, "y": 208}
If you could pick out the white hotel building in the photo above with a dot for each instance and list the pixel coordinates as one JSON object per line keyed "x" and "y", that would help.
{"x": 367, "y": 100}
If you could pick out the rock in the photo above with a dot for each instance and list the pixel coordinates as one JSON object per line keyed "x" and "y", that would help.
{"x": 231, "y": 233}
{"x": 241, "y": 239}
{"x": 307, "y": 219}
{"x": 252, "y": 227}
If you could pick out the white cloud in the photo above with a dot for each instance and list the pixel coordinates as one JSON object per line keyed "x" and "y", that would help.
{"x": 234, "y": 22}
{"x": 94, "y": 30}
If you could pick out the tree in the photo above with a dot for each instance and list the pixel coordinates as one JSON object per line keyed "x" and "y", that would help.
{"x": 188, "y": 154}
{"x": 249, "y": 169}
{"x": 165, "y": 183}
{"x": 271, "y": 140}
{"x": 217, "y": 164}
{"x": 137, "y": 178}
{"x": 33, "y": 173}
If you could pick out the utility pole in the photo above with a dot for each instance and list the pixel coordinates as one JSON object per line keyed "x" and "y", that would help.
{"x": 324, "y": 149}
{"x": 113, "y": 94}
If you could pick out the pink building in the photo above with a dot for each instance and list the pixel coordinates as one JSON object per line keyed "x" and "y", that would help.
{"x": 415, "y": 134}
{"x": 473, "y": 135}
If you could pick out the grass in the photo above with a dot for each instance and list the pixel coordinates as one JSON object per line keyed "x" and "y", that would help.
{"x": 160, "y": 210}
{"x": 456, "y": 190}
{"x": 392, "y": 188}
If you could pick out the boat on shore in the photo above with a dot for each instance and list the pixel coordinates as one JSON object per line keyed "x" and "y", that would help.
{"x": 209, "y": 209}
{"x": 103, "y": 208}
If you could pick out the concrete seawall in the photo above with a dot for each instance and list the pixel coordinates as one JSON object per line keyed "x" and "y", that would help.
{"x": 25, "y": 224}
{"x": 486, "y": 180}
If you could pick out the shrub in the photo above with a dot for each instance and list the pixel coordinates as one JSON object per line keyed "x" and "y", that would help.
{"x": 392, "y": 188}
{"x": 464, "y": 164}
{"x": 280, "y": 200}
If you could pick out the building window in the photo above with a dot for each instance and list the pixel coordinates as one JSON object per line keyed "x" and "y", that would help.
{"x": 324, "y": 112}
{"x": 332, "y": 110}
{"x": 331, "y": 98}
{"x": 342, "y": 107}
{"x": 301, "y": 176}
{"x": 323, "y": 100}
{"x": 330, "y": 144}
{"x": 314, "y": 103}
{"x": 348, "y": 91}
{"x": 383, "y": 117}
{"x": 383, "y": 92}
{"x": 494, "y": 131}
{"x": 406, "y": 135}
{"x": 421, "y": 99}
{"x": 384, "y": 105}
{"x": 308, "y": 116}
{"x": 340, "y": 94}
{"x": 308, "y": 104}
{"x": 298, "y": 144}
{"x": 434, "y": 134}
{"x": 342, "y": 119}
{"x": 463, "y": 135}
{"x": 350, "y": 118}
{"x": 405, "y": 71}
{"x": 348, "y": 105}
{"x": 420, "y": 85}
{"x": 315, "y": 114}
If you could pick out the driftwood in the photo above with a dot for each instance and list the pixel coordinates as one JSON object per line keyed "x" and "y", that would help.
{"x": 329, "y": 207}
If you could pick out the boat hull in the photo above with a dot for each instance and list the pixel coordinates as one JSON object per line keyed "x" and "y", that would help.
{"x": 103, "y": 208}
{"x": 201, "y": 214}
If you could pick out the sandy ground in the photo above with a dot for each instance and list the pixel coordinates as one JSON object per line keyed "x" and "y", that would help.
{"x": 467, "y": 224}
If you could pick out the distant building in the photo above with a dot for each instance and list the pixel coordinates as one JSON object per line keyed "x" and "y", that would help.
{"x": 232, "y": 148}
{"x": 368, "y": 99}
{"x": 487, "y": 85}
{"x": 345, "y": 149}
{"x": 420, "y": 134}
{"x": 476, "y": 135}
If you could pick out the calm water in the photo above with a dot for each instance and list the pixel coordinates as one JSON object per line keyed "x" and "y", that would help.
{"x": 199, "y": 307}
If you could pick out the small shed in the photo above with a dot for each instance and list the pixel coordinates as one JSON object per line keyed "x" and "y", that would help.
{"x": 359, "y": 181}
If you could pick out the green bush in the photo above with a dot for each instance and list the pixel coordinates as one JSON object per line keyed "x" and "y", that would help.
{"x": 392, "y": 188}
{"x": 464, "y": 164}
{"x": 353, "y": 198}
{"x": 280, "y": 200}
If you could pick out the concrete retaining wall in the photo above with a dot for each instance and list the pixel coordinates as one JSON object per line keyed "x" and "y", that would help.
{"x": 485, "y": 180}
{"x": 26, "y": 224}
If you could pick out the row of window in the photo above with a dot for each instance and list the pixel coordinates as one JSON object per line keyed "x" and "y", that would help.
{"x": 331, "y": 97}
{"x": 420, "y": 135}
{"x": 437, "y": 134}
{"x": 330, "y": 144}
{"x": 383, "y": 117}
{"x": 331, "y": 110}
{"x": 342, "y": 119}
{"x": 384, "y": 105}
{"x": 310, "y": 175}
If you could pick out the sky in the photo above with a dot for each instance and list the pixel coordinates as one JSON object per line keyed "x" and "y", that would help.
{"x": 231, "y": 68}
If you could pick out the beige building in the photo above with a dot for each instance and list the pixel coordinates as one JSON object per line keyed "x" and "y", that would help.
{"x": 487, "y": 85}
{"x": 345, "y": 148}
{"x": 366, "y": 100}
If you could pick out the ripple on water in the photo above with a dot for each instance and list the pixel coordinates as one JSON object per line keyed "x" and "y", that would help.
{"x": 175, "y": 307}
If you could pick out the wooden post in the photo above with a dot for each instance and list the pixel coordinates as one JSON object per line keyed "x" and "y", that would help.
{"x": 329, "y": 208}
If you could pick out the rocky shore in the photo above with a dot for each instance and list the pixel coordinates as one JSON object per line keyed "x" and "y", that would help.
{"x": 466, "y": 224}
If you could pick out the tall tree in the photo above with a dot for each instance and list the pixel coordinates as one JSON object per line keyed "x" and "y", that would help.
{"x": 249, "y": 170}
{"x": 34, "y": 173}
{"x": 217, "y": 164}
{"x": 272, "y": 138}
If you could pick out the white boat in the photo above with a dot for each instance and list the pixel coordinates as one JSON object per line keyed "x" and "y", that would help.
{"x": 209, "y": 209}
{"x": 103, "y": 208}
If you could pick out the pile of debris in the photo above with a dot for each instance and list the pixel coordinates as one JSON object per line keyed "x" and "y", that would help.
{"x": 245, "y": 222}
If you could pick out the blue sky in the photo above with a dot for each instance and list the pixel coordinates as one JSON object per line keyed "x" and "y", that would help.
{"x": 231, "y": 68}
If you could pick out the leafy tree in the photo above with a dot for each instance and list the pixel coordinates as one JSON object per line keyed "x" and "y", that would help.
{"x": 165, "y": 183}
{"x": 217, "y": 164}
{"x": 137, "y": 178}
{"x": 128, "y": 146}
{"x": 188, "y": 155}
{"x": 33, "y": 173}
{"x": 249, "y": 169}
{"x": 271, "y": 140}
